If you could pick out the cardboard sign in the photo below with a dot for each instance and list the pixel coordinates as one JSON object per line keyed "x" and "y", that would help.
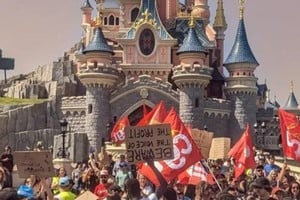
{"x": 154, "y": 140}
{"x": 38, "y": 163}
{"x": 87, "y": 195}
{"x": 203, "y": 140}
{"x": 219, "y": 148}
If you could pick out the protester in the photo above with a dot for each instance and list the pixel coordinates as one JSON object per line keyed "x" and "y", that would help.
{"x": 61, "y": 172}
{"x": 7, "y": 161}
{"x": 271, "y": 165}
{"x": 65, "y": 190}
{"x": 101, "y": 189}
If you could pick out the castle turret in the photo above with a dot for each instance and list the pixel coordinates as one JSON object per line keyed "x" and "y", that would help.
{"x": 99, "y": 77}
{"x": 241, "y": 84}
{"x": 191, "y": 77}
{"x": 291, "y": 103}
{"x": 86, "y": 12}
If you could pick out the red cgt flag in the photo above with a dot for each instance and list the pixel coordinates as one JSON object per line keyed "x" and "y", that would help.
{"x": 155, "y": 116}
{"x": 193, "y": 175}
{"x": 118, "y": 134}
{"x": 290, "y": 134}
{"x": 243, "y": 153}
{"x": 186, "y": 152}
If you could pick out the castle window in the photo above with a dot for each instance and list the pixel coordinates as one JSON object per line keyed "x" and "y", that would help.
{"x": 134, "y": 14}
{"x": 238, "y": 74}
{"x": 117, "y": 21}
{"x": 111, "y": 20}
{"x": 90, "y": 108}
{"x": 95, "y": 64}
{"x": 197, "y": 103}
{"x": 105, "y": 20}
{"x": 244, "y": 73}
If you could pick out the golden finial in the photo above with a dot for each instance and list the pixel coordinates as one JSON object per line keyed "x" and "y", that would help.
{"x": 292, "y": 86}
{"x": 242, "y": 8}
{"x": 192, "y": 21}
{"x": 146, "y": 15}
{"x": 99, "y": 19}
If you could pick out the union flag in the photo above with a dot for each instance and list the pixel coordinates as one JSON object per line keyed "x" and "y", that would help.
{"x": 118, "y": 134}
{"x": 186, "y": 152}
{"x": 243, "y": 153}
{"x": 290, "y": 134}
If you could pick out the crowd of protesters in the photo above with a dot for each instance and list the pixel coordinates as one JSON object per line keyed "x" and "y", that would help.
{"x": 117, "y": 179}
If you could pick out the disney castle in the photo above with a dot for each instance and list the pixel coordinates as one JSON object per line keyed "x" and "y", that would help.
{"x": 139, "y": 52}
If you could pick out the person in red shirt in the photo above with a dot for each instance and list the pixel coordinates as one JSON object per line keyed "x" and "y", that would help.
{"x": 101, "y": 189}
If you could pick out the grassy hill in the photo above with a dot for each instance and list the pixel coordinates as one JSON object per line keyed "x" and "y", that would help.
{"x": 13, "y": 101}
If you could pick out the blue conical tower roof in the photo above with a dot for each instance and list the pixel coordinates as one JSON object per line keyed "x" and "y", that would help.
{"x": 86, "y": 4}
{"x": 191, "y": 43}
{"x": 241, "y": 51}
{"x": 291, "y": 103}
{"x": 98, "y": 43}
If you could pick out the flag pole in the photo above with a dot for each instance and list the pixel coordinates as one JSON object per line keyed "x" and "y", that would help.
{"x": 211, "y": 172}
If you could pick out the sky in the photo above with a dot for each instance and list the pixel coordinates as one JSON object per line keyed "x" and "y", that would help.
{"x": 38, "y": 32}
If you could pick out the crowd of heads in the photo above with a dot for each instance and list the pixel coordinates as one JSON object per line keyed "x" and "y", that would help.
{"x": 117, "y": 179}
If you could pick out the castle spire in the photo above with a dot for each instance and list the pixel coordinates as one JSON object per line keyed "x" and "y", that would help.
{"x": 220, "y": 21}
{"x": 242, "y": 8}
{"x": 241, "y": 51}
{"x": 291, "y": 103}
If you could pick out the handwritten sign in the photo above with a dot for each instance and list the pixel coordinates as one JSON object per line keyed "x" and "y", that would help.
{"x": 87, "y": 195}
{"x": 153, "y": 140}
{"x": 203, "y": 139}
{"x": 37, "y": 163}
{"x": 219, "y": 148}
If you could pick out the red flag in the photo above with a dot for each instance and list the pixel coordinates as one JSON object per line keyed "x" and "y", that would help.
{"x": 118, "y": 134}
{"x": 186, "y": 152}
{"x": 290, "y": 134}
{"x": 243, "y": 153}
{"x": 193, "y": 175}
{"x": 155, "y": 116}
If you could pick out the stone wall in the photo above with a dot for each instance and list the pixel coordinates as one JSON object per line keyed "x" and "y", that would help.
{"x": 27, "y": 118}
{"x": 216, "y": 116}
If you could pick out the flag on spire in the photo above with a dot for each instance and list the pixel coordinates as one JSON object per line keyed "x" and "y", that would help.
{"x": 290, "y": 134}
{"x": 243, "y": 153}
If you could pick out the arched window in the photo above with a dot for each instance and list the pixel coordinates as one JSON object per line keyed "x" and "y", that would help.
{"x": 105, "y": 20}
{"x": 111, "y": 20}
{"x": 117, "y": 21}
{"x": 197, "y": 103}
{"x": 90, "y": 108}
{"x": 134, "y": 14}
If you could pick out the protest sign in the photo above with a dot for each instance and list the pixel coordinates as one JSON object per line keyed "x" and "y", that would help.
{"x": 87, "y": 195}
{"x": 38, "y": 163}
{"x": 219, "y": 148}
{"x": 154, "y": 140}
{"x": 203, "y": 140}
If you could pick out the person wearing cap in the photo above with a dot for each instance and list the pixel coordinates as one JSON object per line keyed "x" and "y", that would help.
{"x": 65, "y": 190}
{"x": 116, "y": 167}
{"x": 123, "y": 174}
{"x": 25, "y": 192}
{"x": 101, "y": 190}
{"x": 262, "y": 188}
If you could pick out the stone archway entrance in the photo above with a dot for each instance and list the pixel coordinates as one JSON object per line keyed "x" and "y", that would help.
{"x": 135, "y": 116}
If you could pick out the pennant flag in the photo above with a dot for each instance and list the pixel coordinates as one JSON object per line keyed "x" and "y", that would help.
{"x": 186, "y": 152}
{"x": 290, "y": 134}
{"x": 193, "y": 175}
{"x": 155, "y": 116}
{"x": 118, "y": 134}
{"x": 243, "y": 153}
